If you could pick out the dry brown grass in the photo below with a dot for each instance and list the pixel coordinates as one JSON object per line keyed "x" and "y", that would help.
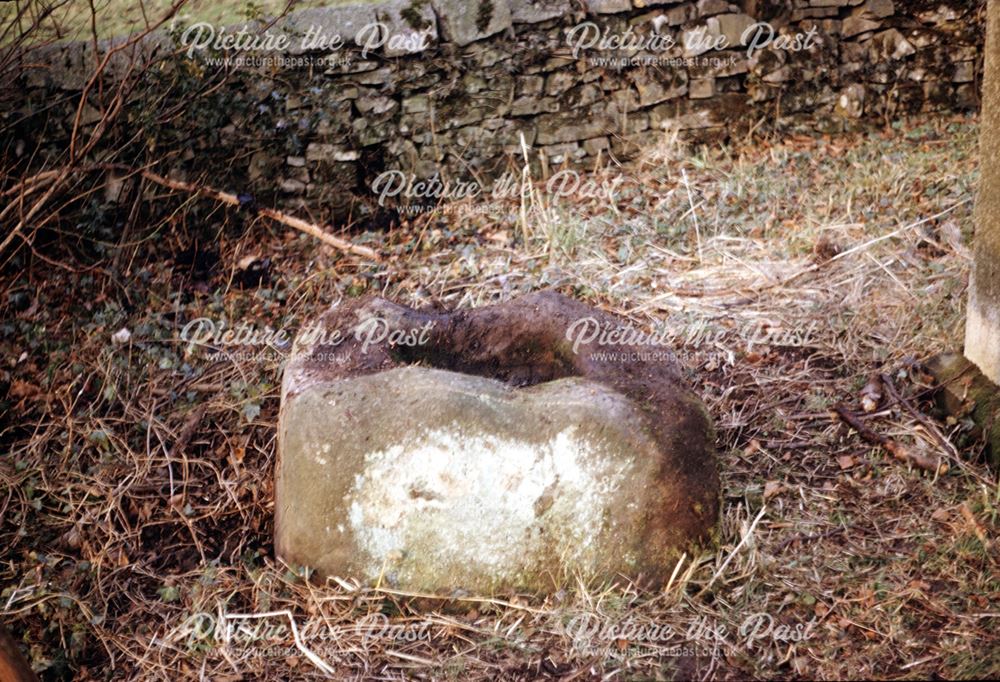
{"x": 124, "y": 515}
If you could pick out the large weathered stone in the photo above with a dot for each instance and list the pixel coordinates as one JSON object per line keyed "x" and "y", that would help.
{"x": 466, "y": 21}
{"x": 533, "y": 11}
{"x": 410, "y": 27}
{"x": 312, "y": 28}
{"x": 608, "y": 6}
{"x": 509, "y": 460}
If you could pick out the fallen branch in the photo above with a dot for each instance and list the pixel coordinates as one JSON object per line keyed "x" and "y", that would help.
{"x": 928, "y": 424}
{"x": 888, "y": 444}
{"x": 278, "y": 216}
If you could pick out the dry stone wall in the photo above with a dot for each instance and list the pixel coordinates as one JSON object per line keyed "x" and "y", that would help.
{"x": 458, "y": 89}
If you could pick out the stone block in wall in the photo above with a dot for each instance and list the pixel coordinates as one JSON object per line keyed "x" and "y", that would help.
{"x": 329, "y": 153}
{"x": 513, "y": 130}
{"x": 891, "y": 44}
{"x": 962, "y": 53}
{"x": 329, "y": 125}
{"x": 413, "y": 82}
{"x": 310, "y": 28}
{"x": 851, "y": 101}
{"x": 810, "y": 100}
{"x": 596, "y": 145}
{"x": 909, "y": 97}
{"x": 719, "y": 64}
{"x": 608, "y": 6}
{"x": 882, "y": 74}
{"x": 624, "y": 101}
{"x": 473, "y": 83}
{"x": 832, "y": 3}
{"x": 681, "y": 14}
{"x": 416, "y": 126}
{"x": 573, "y": 126}
{"x": 921, "y": 38}
{"x": 669, "y": 119}
{"x": 626, "y": 146}
{"x": 465, "y": 21}
{"x": 582, "y": 96}
{"x": 706, "y": 8}
{"x": 635, "y": 123}
{"x": 814, "y": 13}
{"x": 567, "y": 151}
{"x": 857, "y": 24}
{"x": 640, "y": 4}
{"x": 687, "y": 115}
{"x": 937, "y": 95}
{"x": 291, "y": 186}
{"x": 852, "y": 52}
{"x": 377, "y": 77}
{"x": 410, "y": 27}
{"x": 485, "y": 55}
{"x": 717, "y": 33}
{"x": 829, "y": 27}
{"x": 701, "y": 88}
{"x": 375, "y": 105}
{"x": 614, "y": 80}
{"x": 655, "y": 86}
{"x": 731, "y": 26}
{"x": 964, "y": 72}
{"x": 346, "y": 92}
{"x": 551, "y": 64}
{"x": 966, "y": 96}
{"x": 460, "y": 111}
{"x": 529, "y": 86}
{"x": 696, "y": 41}
{"x": 779, "y": 75}
{"x": 417, "y": 104}
{"x": 559, "y": 82}
{"x": 329, "y": 191}
{"x": 731, "y": 84}
{"x": 878, "y": 9}
{"x": 368, "y": 132}
{"x": 530, "y": 106}
{"x": 534, "y": 11}
{"x": 67, "y": 67}
{"x": 942, "y": 14}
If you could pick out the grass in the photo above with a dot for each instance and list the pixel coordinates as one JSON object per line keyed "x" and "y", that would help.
{"x": 136, "y": 485}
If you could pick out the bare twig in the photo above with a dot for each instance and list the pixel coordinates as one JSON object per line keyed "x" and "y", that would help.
{"x": 888, "y": 444}
{"x": 273, "y": 214}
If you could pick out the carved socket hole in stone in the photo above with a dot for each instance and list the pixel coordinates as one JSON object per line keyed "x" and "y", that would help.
{"x": 528, "y": 363}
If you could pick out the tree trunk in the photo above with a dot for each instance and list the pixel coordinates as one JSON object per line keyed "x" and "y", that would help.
{"x": 982, "y": 329}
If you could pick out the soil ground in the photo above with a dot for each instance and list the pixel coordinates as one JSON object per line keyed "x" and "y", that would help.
{"x": 136, "y": 470}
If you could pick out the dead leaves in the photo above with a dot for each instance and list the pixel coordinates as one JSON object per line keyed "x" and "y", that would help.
{"x": 974, "y": 524}
{"x": 773, "y": 489}
{"x": 846, "y": 462}
{"x": 22, "y": 389}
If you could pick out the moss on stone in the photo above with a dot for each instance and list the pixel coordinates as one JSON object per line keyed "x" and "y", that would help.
{"x": 413, "y": 16}
{"x": 484, "y": 16}
{"x": 966, "y": 392}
